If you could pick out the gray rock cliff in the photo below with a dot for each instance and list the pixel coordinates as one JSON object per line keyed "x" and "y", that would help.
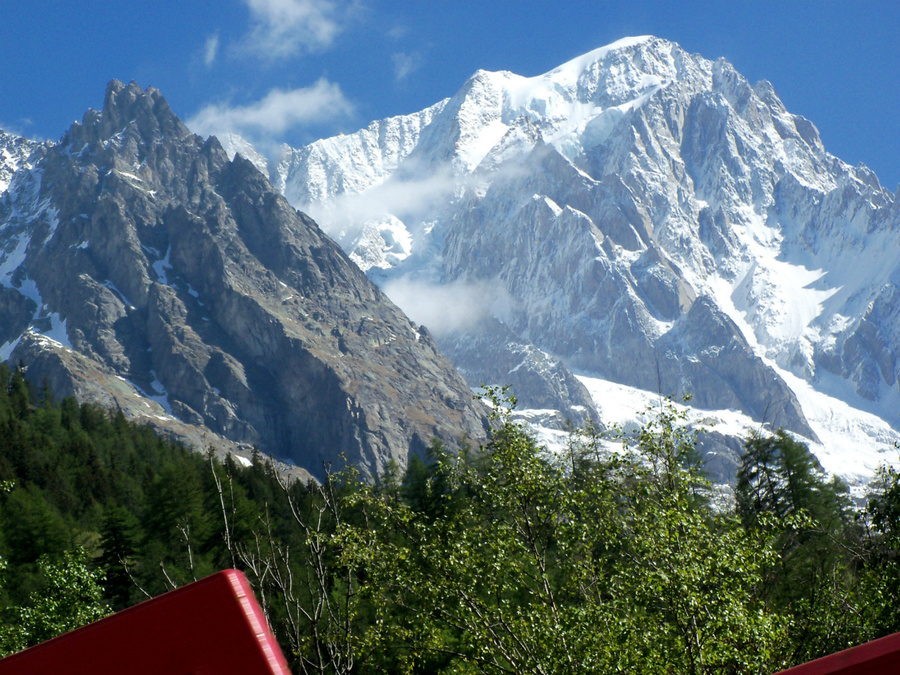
{"x": 136, "y": 251}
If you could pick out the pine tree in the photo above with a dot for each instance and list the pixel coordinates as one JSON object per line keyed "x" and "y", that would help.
{"x": 118, "y": 544}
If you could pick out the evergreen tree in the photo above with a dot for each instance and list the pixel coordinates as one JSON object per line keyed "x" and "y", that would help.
{"x": 119, "y": 547}
{"x": 882, "y": 574}
{"x": 781, "y": 477}
{"x": 31, "y": 526}
{"x": 782, "y": 490}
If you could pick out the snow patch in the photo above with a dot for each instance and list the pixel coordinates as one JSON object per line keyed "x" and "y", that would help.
{"x": 160, "y": 395}
{"x": 475, "y": 150}
{"x": 578, "y": 65}
{"x": 12, "y": 261}
{"x": 59, "y": 332}
{"x": 383, "y": 243}
{"x": 124, "y": 298}
{"x": 853, "y": 443}
{"x": 162, "y": 266}
{"x": 29, "y": 289}
{"x": 7, "y": 348}
{"x": 157, "y": 394}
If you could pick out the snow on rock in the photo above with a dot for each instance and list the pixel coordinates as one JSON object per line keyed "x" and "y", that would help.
{"x": 15, "y": 153}
{"x": 234, "y": 144}
{"x": 162, "y": 266}
{"x": 653, "y": 219}
{"x": 7, "y": 348}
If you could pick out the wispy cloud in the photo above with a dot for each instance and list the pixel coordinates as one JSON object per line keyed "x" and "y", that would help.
{"x": 406, "y": 197}
{"x": 447, "y": 307}
{"x": 21, "y": 128}
{"x": 211, "y": 49}
{"x": 412, "y": 193}
{"x": 405, "y": 64}
{"x": 284, "y": 28}
{"x": 398, "y": 32}
{"x": 277, "y": 112}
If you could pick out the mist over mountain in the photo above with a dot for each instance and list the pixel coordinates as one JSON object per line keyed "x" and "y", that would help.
{"x": 142, "y": 269}
{"x": 644, "y": 217}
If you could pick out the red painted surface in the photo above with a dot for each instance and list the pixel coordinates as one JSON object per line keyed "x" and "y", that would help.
{"x": 211, "y": 627}
{"x": 878, "y": 657}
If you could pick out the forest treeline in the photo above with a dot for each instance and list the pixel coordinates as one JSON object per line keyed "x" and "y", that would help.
{"x": 499, "y": 559}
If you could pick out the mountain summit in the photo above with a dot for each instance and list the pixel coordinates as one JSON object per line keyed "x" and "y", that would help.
{"x": 140, "y": 268}
{"x": 641, "y": 215}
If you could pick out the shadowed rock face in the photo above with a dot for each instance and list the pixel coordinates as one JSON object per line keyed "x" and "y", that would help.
{"x": 490, "y": 353}
{"x": 138, "y": 251}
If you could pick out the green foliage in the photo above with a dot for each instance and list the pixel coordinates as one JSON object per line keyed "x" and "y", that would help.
{"x": 882, "y": 572}
{"x": 780, "y": 476}
{"x": 70, "y": 596}
{"x": 118, "y": 544}
{"x": 31, "y": 526}
{"x": 783, "y": 492}
{"x": 594, "y": 561}
{"x": 607, "y": 557}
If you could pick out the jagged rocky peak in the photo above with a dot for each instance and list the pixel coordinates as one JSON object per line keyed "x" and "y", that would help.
{"x": 129, "y": 106}
{"x": 138, "y": 253}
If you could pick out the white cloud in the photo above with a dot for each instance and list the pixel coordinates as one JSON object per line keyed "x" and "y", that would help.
{"x": 406, "y": 198}
{"x": 444, "y": 307}
{"x": 398, "y": 32}
{"x": 283, "y": 28}
{"x": 211, "y": 49}
{"x": 405, "y": 64}
{"x": 277, "y": 112}
{"x": 413, "y": 194}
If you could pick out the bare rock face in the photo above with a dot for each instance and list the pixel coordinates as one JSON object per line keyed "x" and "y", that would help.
{"x": 136, "y": 250}
{"x": 491, "y": 352}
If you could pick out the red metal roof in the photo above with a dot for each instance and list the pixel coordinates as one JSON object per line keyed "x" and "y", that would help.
{"x": 872, "y": 658}
{"x": 211, "y": 627}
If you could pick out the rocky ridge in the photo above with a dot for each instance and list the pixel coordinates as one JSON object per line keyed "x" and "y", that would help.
{"x": 140, "y": 267}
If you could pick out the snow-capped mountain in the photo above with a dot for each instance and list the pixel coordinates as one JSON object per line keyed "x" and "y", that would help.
{"x": 645, "y": 216}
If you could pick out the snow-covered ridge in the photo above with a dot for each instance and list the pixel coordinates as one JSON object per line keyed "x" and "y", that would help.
{"x": 14, "y": 155}
{"x": 650, "y": 217}
{"x": 374, "y": 152}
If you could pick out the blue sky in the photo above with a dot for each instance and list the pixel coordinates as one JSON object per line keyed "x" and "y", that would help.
{"x": 296, "y": 70}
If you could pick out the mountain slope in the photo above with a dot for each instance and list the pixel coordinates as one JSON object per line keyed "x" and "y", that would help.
{"x": 647, "y": 216}
{"x": 136, "y": 252}
{"x": 15, "y": 152}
